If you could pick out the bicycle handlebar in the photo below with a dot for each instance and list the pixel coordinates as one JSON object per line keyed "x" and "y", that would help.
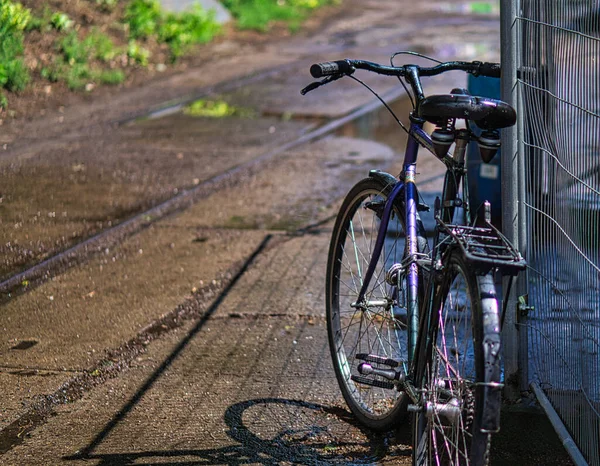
{"x": 331, "y": 68}
{"x": 342, "y": 67}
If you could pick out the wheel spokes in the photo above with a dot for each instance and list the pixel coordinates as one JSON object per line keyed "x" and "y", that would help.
{"x": 451, "y": 378}
{"x": 367, "y": 327}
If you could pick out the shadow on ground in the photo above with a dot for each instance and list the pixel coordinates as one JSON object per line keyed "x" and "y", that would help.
{"x": 265, "y": 430}
{"x": 312, "y": 438}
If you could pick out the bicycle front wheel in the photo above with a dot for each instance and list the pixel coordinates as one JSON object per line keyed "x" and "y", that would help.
{"x": 380, "y": 327}
{"x": 460, "y": 377}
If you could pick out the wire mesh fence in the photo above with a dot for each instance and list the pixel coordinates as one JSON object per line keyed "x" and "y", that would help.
{"x": 558, "y": 83}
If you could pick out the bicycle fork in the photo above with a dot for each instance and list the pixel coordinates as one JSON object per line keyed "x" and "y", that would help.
{"x": 407, "y": 186}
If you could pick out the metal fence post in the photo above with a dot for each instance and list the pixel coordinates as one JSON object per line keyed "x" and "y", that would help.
{"x": 510, "y": 189}
{"x": 551, "y": 211}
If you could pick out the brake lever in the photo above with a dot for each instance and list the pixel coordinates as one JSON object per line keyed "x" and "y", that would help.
{"x": 317, "y": 84}
{"x": 311, "y": 87}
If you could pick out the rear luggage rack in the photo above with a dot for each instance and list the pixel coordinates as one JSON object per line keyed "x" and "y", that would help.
{"x": 485, "y": 246}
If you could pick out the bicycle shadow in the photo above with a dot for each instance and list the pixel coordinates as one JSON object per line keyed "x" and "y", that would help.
{"x": 299, "y": 431}
{"x": 315, "y": 437}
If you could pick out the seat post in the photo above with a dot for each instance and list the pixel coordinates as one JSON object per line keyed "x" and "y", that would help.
{"x": 463, "y": 137}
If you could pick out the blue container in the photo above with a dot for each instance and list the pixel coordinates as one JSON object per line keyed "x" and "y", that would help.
{"x": 484, "y": 178}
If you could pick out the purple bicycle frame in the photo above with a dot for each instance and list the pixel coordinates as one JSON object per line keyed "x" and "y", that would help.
{"x": 416, "y": 136}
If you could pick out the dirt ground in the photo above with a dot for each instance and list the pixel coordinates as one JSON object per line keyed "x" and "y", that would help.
{"x": 42, "y": 96}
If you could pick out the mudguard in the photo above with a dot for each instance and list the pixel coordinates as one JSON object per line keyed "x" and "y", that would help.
{"x": 384, "y": 177}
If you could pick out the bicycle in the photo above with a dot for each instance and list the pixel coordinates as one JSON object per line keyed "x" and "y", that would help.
{"x": 415, "y": 328}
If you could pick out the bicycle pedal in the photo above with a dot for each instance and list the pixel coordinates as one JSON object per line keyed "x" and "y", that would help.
{"x": 373, "y": 382}
{"x": 364, "y": 368}
{"x": 373, "y": 358}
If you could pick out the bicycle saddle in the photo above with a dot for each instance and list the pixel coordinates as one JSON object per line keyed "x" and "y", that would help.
{"x": 488, "y": 114}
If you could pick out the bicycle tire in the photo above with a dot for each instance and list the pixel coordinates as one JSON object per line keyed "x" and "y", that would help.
{"x": 380, "y": 331}
{"x": 460, "y": 377}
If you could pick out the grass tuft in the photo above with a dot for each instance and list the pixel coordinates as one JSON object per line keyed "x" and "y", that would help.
{"x": 74, "y": 50}
{"x": 106, "y": 5}
{"x": 111, "y": 77}
{"x": 102, "y": 46}
{"x": 137, "y": 53}
{"x": 143, "y": 18}
{"x": 146, "y": 19}
{"x": 61, "y": 21}
{"x": 260, "y": 14}
{"x": 73, "y": 65}
{"x": 14, "y": 19}
{"x": 83, "y": 62}
{"x": 179, "y": 31}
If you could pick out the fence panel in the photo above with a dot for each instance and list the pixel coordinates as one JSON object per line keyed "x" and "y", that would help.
{"x": 559, "y": 88}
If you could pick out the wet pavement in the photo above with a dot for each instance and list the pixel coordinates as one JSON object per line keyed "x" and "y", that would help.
{"x": 199, "y": 338}
{"x": 66, "y": 182}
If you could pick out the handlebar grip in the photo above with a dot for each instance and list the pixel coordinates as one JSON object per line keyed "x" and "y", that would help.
{"x": 491, "y": 70}
{"x": 331, "y": 68}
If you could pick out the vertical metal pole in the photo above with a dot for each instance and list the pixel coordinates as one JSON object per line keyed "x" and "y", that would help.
{"x": 510, "y": 189}
{"x": 523, "y": 224}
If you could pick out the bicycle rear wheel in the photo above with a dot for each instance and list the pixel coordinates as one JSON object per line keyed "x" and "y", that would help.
{"x": 460, "y": 377}
{"x": 380, "y": 329}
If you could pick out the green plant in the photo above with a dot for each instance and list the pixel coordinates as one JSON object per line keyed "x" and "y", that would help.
{"x": 73, "y": 66}
{"x": 312, "y": 4}
{"x": 14, "y": 19}
{"x": 77, "y": 75}
{"x": 61, "y": 21}
{"x": 138, "y": 53}
{"x": 111, "y": 77}
{"x": 102, "y": 46}
{"x": 179, "y": 31}
{"x": 145, "y": 18}
{"x": 106, "y": 5}
{"x": 74, "y": 50}
{"x": 3, "y": 101}
{"x": 80, "y": 75}
{"x": 259, "y": 14}
{"x": 142, "y": 17}
{"x": 40, "y": 23}
{"x": 14, "y": 76}
{"x": 52, "y": 73}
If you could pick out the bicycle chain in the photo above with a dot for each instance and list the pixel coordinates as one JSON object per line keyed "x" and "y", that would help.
{"x": 487, "y": 450}
{"x": 469, "y": 408}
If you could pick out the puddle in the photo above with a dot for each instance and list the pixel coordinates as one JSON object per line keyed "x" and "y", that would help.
{"x": 216, "y": 109}
{"x": 380, "y": 126}
{"x": 210, "y": 108}
{"x": 377, "y": 125}
{"x": 163, "y": 112}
